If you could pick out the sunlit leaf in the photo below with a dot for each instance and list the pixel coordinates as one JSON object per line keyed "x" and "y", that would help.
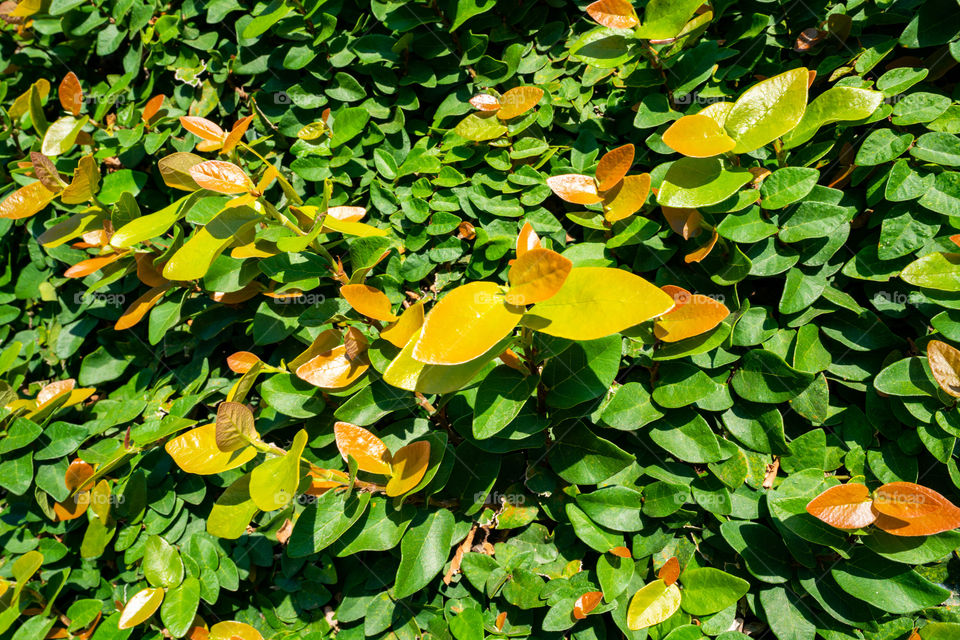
{"x": 152, "y": 107}
{"x": 665, "y": 19}
{"x": 527, "y": 239}
{"x": 220, "y": 176}
{"x": 518, "y": 101}
{"x": 92, "y": 265}
{"x": 698, "y": 182}
{"x": 465, "y": 324}
{"x": 175, "y": 170}
{"x": 909, "y": 509}
{"x": 367, "y": 449}
{"x": 536, "y": 276}
{"x": 613, "y": 166}
{"x": 138, "y": 308}
{"x": 945, "y": 365}
{"x": 323, "y": 479}
{"x": 202, "y": 128}
{"x": 485, "y": 102}
{"x": 193, "y": 259}
{"x": 399, "y": 333}
{"x": 407, "y": 467}
{"x": 333, "y": 369}
{"x": 273, "y": 484}
{"x": 652, "y": 604}
{"x": 235, "y": 426}
{"x": 236, "y": 135}
{"x": 26, "y": 201}
{"x": 480, "y": 126}
{"x": 230, "y": 630}
{"x": 833, "y": 105}
{"x": 368, "y": 301}
{"x": 140, "y": 607}
{"x": 359, "y": 229}
{"x": 575, "y": 188}
{"x": 626, "y": 199}
{"x": 85, "y": 183}
{"x": 595, "y": 302}
{"x": 767, "y": 110}
{"x": 697, "y": 136}
{"x": 71, "y": 93}
{"x": 405, "y": 372}
{"x": 693, "y": 315}
{"x": 233, "y": 510}
{"x": 717, "y": 111}
{"x": 670, "y": 571}
{"x": 616, "y": 14}
{"x": 196, "y": 451}
{"x": 586, "y": 603}
{"x": 845, "y": 506}
{"x": 46, "y": 172}
{"x": 62, "y": 135}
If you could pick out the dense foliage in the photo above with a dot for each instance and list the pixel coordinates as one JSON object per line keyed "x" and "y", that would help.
{"x": 479, "y": 318}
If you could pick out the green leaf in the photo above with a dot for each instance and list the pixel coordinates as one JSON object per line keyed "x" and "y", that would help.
{"x": 697, "y": 182}
{"x": 882, "y": 145}
{"x": 500, "y": 397}
{"x": 786, "y": 186}
{"x": 767, "y": 110}
{"x": 833, "y": 105}
{"x": 708, "y": 590}
{"x": 887, "y": 585}
{"x": 322, "y": 524}
{"x": 580, "y": 457}
{"x": 939, "y": 271}
{"x": 766, "y": 378}
{"x": 273, "y": 484}
{"x": 162, "y": 565}
{"x": 180, "y": 606}
{"x": 423, "y": 552}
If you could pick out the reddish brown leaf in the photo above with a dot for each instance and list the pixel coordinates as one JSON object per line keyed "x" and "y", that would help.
{"x": 501, "y": 619}
{"x": 241, "y": 361}
{"x": 613, "y": 166}
{"x": 586, "y": 603}
{"x": 845, "y": 506}
{"x": 670, "y": 571}
{"x": 71, "y": 93}
{"x": 202, "y": 128}
{"x": 152, "y": 107}
{"x": 236, "y": 134}
{"x": 90, "y": 265}
{"x": 908, "y": 509}
{"x": 621, "y": 552}
{"x": 139, "y": 308}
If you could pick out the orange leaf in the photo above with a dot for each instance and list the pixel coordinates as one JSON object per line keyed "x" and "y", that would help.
{"x": 139, "y": 308}
{"x": 527, "y": 239}
{"x": 697, "y": 136}
{"x": 586, "y": 603}
{"x": 703, "y": 251}
{"x": 26, "y": 201}
{"x": 399, "y": 333}
{"x": 945, "y": 365}
{"x": 536, "y": 276}
{"x": 202, "y": 128}
{"x": 152, "y": 107}
{"x": 845, "y": 506}
{"x": 518, "y": 101}
{"x": 485, "y": 102}
{"x": 236, "y": 134}
{"x": 613, "y": 166}
{"x": 323, "y": 479}
{"x": 616, "y": 14}
{"x": 686, "y": 222}
{"x": 90, "y": 265}
{"x": 501, "y": 619}
{"x": 368, "y": 301}
{"x": 908, "y": 509}
{"x": 626, "y": 199}
{"x": 670, "y": 571}
{"x": 574, "y": 187}
{"x": 693, "y": 315}
{"x": 73, "y": 507}
{"x": 71, "y": 93}
{"x": 77, "y": 475}
{"x": 621, "y": 552}
{"x": 955, "y": 239}
{"x": 347, "y": 214}
{"x": 220, "y": 176}
{"x": 333, "y": 369}
{"x": 241, "y": 361}
{"x": 147, "y": 272}
{"x": 408, "y": 467}
{"x": 367, "y": 449}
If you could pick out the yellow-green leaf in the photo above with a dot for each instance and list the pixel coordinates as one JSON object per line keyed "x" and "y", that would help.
{"x": 196, "y": 452}
{"x": 768, "y": 110}
{"x": 175, "y": 170}
{"x": 464, "y": 324}
{"x": 652, "y": 604}
{"x": 273, "y": 484}
{"x": 598, "y": 301}
{"x": 406, "y": 373}
{"x": 62, "y": 135}
{"x": 140, "y": 607}
{"x": 194, "y": 258}
{"x": 232, "y": 511}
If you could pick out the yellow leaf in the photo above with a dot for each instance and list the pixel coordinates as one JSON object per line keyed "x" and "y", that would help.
{"x": 598, "y": 301}
{"x": 324, "y": 342}
{"x": 367, "y": 449}
{"x": 220, "y": 176}
{"x": 409, "y": 465}
{"x": 624, "y": 201}
{"x": 21, "y": 105}
{"x": 140, "y": 607}
{"x": 350, "y": 228}
{"x": 613, "y": 166}
{"x": 404, "y": 372}
{"x": 717, "y": 111}
{"x": 616, "y": 14}
{"x": 399, "y": 333}
{"x": 697, "y": 136}
{"x": 230, "y": 630}
{"x": 236, "y": 134}
{"x": 333, "y": 369}
{"x": 945, "y": 364}
{"x": 347, "y": 214}
{"x": 26, "y": 201}
{"x": 575, "y": 188}
{"x": 273, "y": 484}
{"x": 652, "y": 605}
{"x": 196, "y": 452}
{"x": 537, "y": 275}
{"x": 527, "y": 239}
{"x": 693, "y": 315}
{"x": 368, "y": 301}
{"x": 518, "y": 101}
{"x": 465, "y": 324}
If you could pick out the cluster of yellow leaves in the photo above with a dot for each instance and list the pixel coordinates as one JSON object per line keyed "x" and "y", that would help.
{"x": 899, "y": 508}
{"x": 405, "y": 468}
{"x": 621, "y": 195}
